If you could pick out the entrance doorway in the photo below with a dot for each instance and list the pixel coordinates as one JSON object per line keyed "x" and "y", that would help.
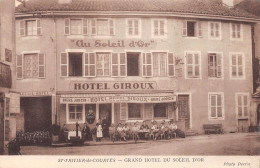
{"x": 258, "y": 115}
{"x": 184, "y": 110}
{"x": 105, "y": 117}
{"x": 37, "y": 113}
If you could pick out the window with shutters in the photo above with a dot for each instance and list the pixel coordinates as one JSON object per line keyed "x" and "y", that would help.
{"x": 242, "y": 105}
{"x": 30, "y": 65}
{"x": 75, "y": 64}
{"x": 76, "y": 26}
{"x": 118, "y": 64}
{"x": 159, "y": 28}
{"x": 75, "y": 113}
{"x": 147, "y": 65}
{"x": 215, "y": 65}
{"x": 160, "y": 110}
{"x": 133, "y": 65}
{"x": 30, "y": 27}
{"x": 193, "y": 66}
{"x": 133, "y": 28}
{"x": 191, "y": 29}
{"x": 134, "y": 111}
{"x": 214, "y": 30}
{"x": 237, "y": 66}
{"x": 216, "y": 106}
{"x": 103, "y": 64}
{"x": 159, "y": 64}
{"x": 236, "y": 31}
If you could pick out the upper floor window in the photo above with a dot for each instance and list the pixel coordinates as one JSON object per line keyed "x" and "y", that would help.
{"x": 30, "y": 27}
{"x": 237, "y": 66}
{"x": 158, "y": 28}
{"x": 215, "y": 30}
{"x": 193, "y": 66}
{"x": 84, "y": 26}
{"x": 133, "y": 27}
{"x": 215, "y": 65}
{"x": 31, "y": 65}
{"x": 191, "y": 28}
{"x": 117, "y": 64}
{"x": 216, "y": 106}
{"x": 236, "y": 31}
{"x": 242, "y": 105}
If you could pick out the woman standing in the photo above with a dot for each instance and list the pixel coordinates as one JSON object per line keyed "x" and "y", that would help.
{"x": 99, "y": 132}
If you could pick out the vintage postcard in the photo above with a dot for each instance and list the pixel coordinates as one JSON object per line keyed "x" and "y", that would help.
{"x": 130, "y": 83}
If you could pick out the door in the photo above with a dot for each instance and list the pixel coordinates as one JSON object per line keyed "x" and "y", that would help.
{"x": 258, "y": 115}
{"x": 243, "y": 125}
{"x": 184, "y": 110}
{"x": 105, "y": 117}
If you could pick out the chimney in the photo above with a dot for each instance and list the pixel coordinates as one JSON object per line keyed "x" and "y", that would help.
{"x": 64, "y": 1}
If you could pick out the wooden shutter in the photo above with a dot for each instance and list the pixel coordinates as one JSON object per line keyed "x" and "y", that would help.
{"x": 41, "y": 66}
{"x": 122, "y": 61}
{"x": 147, "y": 65}
{"x": 171, "y": 111}
{"x": 219, "y": 65}
{"x": 64, "y": 64}
{"x": 67, "y": 26}
{"x": 85, "y": 26}
{"x": 19, "y": 66}
{"x": 199, "y": 29}
{"x": 22, "y": 28}
{"x": 196, "y": 65}
{"x": 211, "y": 65}
{"x": 89, "y": 65}
{"x": 148, "y": 111}
{"x": 115, "y": 63}
{"x": 123, "y": 111}
{"x": 189, "y": 65}
{"x": 93, "y": 26}
{"x": 111, "y": 27}
{"x": 184, "y": 28}
{"x": 219, "y": 106}
{"x": 39, "y": 29}
{"x": 171, "y": 65}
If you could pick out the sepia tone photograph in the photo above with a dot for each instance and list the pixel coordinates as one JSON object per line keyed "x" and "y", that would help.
{"x": 130, "y": 77}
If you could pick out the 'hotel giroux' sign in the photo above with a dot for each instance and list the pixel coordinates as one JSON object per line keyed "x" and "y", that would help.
{"x": 112, "y": 43}
{"x": 112, "y": 86}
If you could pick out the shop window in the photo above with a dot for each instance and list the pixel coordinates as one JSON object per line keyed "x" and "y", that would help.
{"x": 133, "y": 64}
{"x": 134, "y": 111}
{"x": 216, "y": 105}
{"x": 103, "y": 64}
{"x": 236, "y": 31}
{"x": 133, "y": 27}
{"x": 75, "y": 112}
{"x": 160, "y": 110}
{"x": 158, "y": 28}
{"x": 215, "y": 65}
{"x": 193, "y": 65}
{"x": 215, "y": 30}
{"x": 30, "y": 27}
{"x": 30, "y": 66}
{"x": 242, "y": 105}
{"x": 75, "y": 64}
{"x": 237, "y": 67}
{"x": 192, "y": 29}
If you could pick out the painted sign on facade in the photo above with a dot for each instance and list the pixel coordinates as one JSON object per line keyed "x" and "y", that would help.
{"x": 124, "y": 98}
{"x": 36, "y": 93}
{"x": 112, "y": 86}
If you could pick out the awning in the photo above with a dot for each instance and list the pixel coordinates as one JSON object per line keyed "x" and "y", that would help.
{"x": 118, "y": 98}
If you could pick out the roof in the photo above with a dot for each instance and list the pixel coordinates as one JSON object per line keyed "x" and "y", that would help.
{"x": 204, "y": 7}
{"x": 251, "y": 6}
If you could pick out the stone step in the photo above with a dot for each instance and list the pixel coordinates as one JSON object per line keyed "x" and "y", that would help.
{"x": 190, "y": 133}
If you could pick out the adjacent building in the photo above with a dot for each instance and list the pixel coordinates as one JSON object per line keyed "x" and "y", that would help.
{"x": 9, "y": 99}
{"x": 127, "y": 61}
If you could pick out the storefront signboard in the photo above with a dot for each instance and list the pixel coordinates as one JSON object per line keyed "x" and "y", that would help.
{"x": 123, "y": 98}
{"x": 36, "y": 93}
{"x": 112, "y": 86}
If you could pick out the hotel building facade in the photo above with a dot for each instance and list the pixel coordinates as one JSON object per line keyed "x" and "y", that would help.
{"x": 81, "y": 61}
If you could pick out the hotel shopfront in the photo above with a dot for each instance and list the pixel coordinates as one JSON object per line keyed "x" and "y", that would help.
{"x": 135, "y": 67}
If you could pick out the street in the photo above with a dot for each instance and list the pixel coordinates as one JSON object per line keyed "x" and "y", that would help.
{"x": 223, "y": 144}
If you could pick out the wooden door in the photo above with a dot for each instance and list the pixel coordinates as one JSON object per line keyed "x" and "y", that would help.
{"x": 184, "y": 110}
{"x": 243, "y": 125}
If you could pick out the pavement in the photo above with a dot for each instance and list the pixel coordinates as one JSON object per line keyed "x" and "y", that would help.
{"x": 214, "y": 144}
